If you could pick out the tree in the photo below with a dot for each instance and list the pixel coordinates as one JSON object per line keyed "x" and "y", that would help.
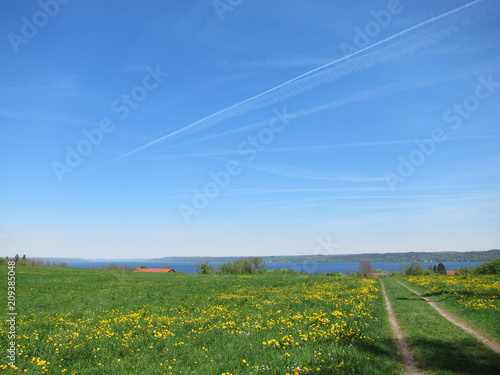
{"x": 365, "y": 268}
{"x": 257, "y": 264}
{"x": 489, "y": 268}
{"x": 143, "y": 266}
{"x": 415, "y": 269}
{"x": 248, "y": 266}
{"x": 204, "y": 268}
{"x": 22, "y": 261}
{"x": 464, "y": 270}
{"x": 441, "y": 269}
{"x": 334, "y": 274}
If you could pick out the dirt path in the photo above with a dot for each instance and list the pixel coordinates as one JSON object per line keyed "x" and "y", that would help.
{"x": 404, "y": 351}
{"x": 491, "y": 344}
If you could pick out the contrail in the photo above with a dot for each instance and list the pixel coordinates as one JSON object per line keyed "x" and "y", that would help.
{"x": 359, "y": 96}
{"x": 219, "y": 116}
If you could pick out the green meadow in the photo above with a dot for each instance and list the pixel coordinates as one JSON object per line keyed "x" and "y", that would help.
{"x": 77, "y": 321}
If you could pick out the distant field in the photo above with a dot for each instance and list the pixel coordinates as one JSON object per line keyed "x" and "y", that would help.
{"x": 83, "y": 322}
{"x": 102, "y": 322}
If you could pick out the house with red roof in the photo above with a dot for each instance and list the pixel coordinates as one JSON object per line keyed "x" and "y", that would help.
{"x": 158, "y": 270}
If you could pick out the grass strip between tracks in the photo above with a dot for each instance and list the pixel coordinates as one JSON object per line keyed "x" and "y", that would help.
{"x": 439, "y": 347}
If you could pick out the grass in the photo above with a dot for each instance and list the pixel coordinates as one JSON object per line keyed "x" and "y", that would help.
{"x": 473, "y": 299}
{"x": 83, "y": 322}
{"x": 439, "y": 347}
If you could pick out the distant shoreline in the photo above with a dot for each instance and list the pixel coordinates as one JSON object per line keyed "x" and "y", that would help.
{"x": 427, "y": 257}
{"x": 449, "y": 256}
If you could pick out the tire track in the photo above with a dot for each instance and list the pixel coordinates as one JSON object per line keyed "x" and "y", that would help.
{"x": 401, "y": 344}
{"x": 490, "y": 343}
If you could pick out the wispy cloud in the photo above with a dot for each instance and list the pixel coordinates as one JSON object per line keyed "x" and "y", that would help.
{"x": 285, "y": 63}
{"x": 364, "y": 95}
{"x": 57, "y": 86}
{"x": 329, "y": 191}
{"x": 357, "y": 178}
{"x": 12, "y": 114}
{"x": 428, "y": 205}
{"x": 336, "y": 69}
{"x": 307, "y": 174}
{"x": 288, "y": 171}
{"x": 43, "y": 115}
{"x": 302, "y": 149}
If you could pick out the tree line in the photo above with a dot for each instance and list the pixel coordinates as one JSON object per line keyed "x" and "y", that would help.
{"x": 433, "y": 257}
{"x": 23, "y": 261}
{"x": 415, "y": 268}
{"x": 254, "y": 265}
{"x": 246, "y": 266}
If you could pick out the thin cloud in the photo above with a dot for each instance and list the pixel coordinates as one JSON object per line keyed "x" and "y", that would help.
{"x": 380, "y": 203}
{"x": 301, "y": 173}
{"x": 390, "y": 89}
{"x": 245, "y": 191}
{"x": 285, "y": 63}
{"x": 346, "y": 65}
{"x": 325, "y": 197}
{"x": 12, "y": 114}
{"x": 361, "y": 179}
{"x": 288, "y": 171}
{"x": 47, "y": 116}
{"x": 301, "y": 149}
{"x": 378, "y": 92}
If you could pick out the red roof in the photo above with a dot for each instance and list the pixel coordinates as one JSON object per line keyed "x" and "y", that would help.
{"x": 451, "y": 272}
{"x": 161, "y": 270}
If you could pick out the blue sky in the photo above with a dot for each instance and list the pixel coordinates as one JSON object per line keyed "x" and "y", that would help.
{"x": 160, "y": 128}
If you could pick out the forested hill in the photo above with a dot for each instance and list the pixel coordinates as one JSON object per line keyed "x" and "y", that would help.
{"x": 467, "y": 256}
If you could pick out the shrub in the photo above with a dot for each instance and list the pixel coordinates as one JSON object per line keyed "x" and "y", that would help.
{"x": 490, "y": 268}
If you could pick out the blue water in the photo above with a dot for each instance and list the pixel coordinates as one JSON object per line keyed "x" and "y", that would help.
{"x": 344, "y": 268}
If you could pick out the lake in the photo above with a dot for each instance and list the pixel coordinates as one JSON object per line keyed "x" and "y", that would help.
{"x": 344, "y": 268}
